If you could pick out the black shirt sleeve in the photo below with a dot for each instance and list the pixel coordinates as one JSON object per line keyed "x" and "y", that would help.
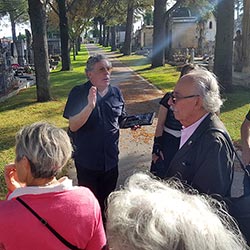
{"x": 77, "y": 100}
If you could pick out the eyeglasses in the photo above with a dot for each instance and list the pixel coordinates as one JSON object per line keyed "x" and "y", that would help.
{"x": 176, "y": 98}
{"x": 103, "y": 69}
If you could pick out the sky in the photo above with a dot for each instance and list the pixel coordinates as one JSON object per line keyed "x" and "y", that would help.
{"x": 5, "y": 28}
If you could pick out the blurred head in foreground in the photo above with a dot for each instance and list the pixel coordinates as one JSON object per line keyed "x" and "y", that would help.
{"x": 149, "y": 214}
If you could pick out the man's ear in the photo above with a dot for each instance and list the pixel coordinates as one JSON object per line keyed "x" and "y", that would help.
{"x": 88, "y": 74}
{"x": 198, "y": 102}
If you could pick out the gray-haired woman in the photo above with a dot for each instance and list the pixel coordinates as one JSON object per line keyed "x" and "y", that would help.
{"x": 70, "y": 217}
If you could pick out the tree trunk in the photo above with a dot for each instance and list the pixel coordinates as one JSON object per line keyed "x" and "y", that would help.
{"x": 246, "y": 36}
{"x": 158, "y": 56}
{"x": 128, "y": 34}
{"x": 64, "y": 35}
{"x": 79, "y": 41}
{"x": 38, "y": 20}
{"x": 74, "y": 49}
{"x": 168, "y": 40}
{"x": 13, "y": 31}
{"x": 224, "y": 43}
{"x": 29, "y": 55}
{"x": 113, "y": 38}
{"x": 104, "y": 34}
{"x": 107, "y": 36}
{"x": 100, "y": 33}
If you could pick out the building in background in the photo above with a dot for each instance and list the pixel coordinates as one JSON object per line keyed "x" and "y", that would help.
{"x": 186, "y": 31}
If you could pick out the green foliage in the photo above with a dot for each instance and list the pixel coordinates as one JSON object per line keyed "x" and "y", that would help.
{"x": 112, "y": 12}
{"x": 79, "y": 17}
{"x": 17, "y": 9}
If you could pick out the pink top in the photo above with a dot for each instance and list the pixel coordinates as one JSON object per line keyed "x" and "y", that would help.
{"x": 72, "y": 211}
{"x": 188, "y": 131}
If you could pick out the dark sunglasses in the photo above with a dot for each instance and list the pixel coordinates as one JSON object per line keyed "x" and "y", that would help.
{"x": 176, "y": 98}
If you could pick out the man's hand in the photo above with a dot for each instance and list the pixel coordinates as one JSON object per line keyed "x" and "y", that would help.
{"x": 11, "y": 178}
{"x": 92, "y": 97}
{"x": 78, "y": 120}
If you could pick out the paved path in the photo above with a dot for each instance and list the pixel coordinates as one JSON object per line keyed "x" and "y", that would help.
{"x": 136, "y": 146}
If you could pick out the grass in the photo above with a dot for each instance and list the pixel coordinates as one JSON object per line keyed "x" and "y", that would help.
{"x": 23, "y": 109}
{"x": 235, "y": 106}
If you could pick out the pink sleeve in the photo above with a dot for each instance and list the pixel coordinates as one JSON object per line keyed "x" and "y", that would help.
{"x": 98, "y": 241}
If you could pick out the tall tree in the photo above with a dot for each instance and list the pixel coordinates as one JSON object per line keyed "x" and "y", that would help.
{"x": 79, "y": 20}
{"x": 224, "y": 43}
{"x": 64, "y": 35}
{"x": 158, "y": 57}
{"x": 110, "y": 14}
{"x": 129, "y": 28}
{"x": 132, "y": 7}
{"x": 37, "y": 13}
{"x": 73, "y": 18}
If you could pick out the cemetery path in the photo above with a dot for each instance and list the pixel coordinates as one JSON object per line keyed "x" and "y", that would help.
{"x": 140, "y": 97}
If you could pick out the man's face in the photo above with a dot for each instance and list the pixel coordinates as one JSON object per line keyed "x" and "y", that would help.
{"x": 100, "y": 74}
{"x": 185, "y": 101}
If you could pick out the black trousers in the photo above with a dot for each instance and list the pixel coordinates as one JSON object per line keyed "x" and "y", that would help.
{"x": 101, "y": 183}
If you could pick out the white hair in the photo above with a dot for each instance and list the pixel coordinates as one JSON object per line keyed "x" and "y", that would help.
{"x": 208, "y": 88}
{"x": 149, "y": 214}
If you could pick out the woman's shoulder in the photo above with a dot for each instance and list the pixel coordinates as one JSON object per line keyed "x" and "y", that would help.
{"x": 81, "y": 195}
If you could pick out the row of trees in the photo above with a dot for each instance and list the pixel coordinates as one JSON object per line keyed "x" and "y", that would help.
{"x": 75, "y": 16}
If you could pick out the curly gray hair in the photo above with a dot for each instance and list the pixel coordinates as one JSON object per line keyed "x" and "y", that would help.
{"x": 148, "y": 214}
{"x": 92, "y": 60}
{"x": 47, "y": 148}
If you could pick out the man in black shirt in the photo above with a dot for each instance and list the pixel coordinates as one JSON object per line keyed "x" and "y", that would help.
{"x": 95, "y": 111}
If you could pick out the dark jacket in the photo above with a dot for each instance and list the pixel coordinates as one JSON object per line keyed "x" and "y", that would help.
{"x": 206, "y": 160}
{"x": 96, "y": 142}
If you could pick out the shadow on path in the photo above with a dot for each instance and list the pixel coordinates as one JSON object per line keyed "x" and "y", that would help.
{"x": 140, "y": 97}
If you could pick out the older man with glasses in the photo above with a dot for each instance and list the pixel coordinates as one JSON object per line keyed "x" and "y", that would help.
{"x": 204, "y": 159}
{"x": 95, "y": 111}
